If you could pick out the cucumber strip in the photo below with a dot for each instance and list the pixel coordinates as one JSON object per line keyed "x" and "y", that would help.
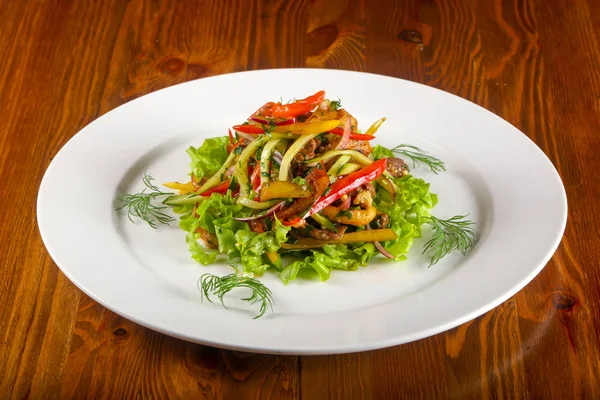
{"x": 276, "y": 135}
{"x": 241, "y": 169}
{"x": 348, "y": 168}
{"x": 265, "y": 160}
{"x": 218, "y": 177}
{"x": 335, "y": 168}
{"x": 181, "y": 199}
{"x": 325, "y": 223}
{"x": 286, "y": 163}
{"x": 257, "y": 205}
{"x": 356, "y": 155}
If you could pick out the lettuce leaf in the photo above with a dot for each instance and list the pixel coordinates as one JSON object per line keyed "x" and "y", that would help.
{"x": 330, "y": 257}
{"x": 208, "y": 158}
{"x": 214, "y": 215}
{"x": 407, "y": 213}
{"x": 253, "y": 247}
{"x": 380, "y": 152}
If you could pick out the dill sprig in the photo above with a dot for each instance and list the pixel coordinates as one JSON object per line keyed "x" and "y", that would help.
{"x": 418, "y": 156}
{"x": 139, "y": 205}
{"x": 451, "y": 234}
{"x": 335, "y": 105}
{"x": 219, "y": 286}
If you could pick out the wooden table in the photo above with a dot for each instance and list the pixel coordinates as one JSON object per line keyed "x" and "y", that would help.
{"x": 65, "y": 63}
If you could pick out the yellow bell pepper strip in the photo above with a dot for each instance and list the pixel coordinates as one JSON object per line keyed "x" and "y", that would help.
{"x": 348, "y": 184}
{"x": 182, "y": 187}
{"x": 350, "y": 217}
{"x": 371, "y": 131}
{"x": 375, "y": 235}
{"x": 283, "y": 190}
{"x": 309, "y": 129}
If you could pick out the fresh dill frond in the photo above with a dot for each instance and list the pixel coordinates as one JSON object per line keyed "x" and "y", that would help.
{"x": 335, "y": 105}
{"x": 139, "y": 205}
{"x": 453, "y": 234}
{"x": 418, "y": 156}
{"x": 219, "y": 286}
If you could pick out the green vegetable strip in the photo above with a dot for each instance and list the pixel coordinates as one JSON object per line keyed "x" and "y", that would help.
{"x": 348, "y": 168}
{"x": 335, "y": 168}
{"x": 257, "y": 205}
{"x": 358, "y": 156}
{"x": 218, "y": 176}
{"x": 241, "y": 169}
{"x": 182, "y": 199}
{"x": 361, "y": 158}
{"x": 327, "y": 224}
{"x": 286, "y": 163}
{"x": 265, "y": 160}
{"x": 278, "y": 135}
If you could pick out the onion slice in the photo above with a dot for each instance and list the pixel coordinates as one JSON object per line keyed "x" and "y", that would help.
{"x": 347, "y": 131}
{"x": 267, "y": 213}
{"x": 277, "y": 156}
{"x": 246, "y": 136}
{"x": 380, "y": 247}
{"x": 346, "y": 204}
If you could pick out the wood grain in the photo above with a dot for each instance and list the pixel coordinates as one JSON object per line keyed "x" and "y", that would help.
{"x": 533, "y": 62}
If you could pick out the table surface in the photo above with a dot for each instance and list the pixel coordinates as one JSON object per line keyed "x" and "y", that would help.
{"x": 65, "y": 63}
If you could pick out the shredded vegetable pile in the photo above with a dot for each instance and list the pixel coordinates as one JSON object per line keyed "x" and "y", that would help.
{"x": 298, "y": 187}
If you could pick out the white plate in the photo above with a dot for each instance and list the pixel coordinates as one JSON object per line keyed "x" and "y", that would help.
{"x": 495, "y": 173}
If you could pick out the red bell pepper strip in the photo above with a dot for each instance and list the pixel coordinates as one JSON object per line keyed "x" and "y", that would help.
{"x": 255, "y": 177}
{"x": 291, "y": 221}
{"x": 231, "y": 144}
{"x": 249, "y": 129}
{"x": 348, "y": 184}
{"x": 356, "y": 136}
{"x": 220, "y": 188}
{"x": 299, "y": 107}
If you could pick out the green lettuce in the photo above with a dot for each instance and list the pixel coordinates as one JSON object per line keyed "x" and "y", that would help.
{"x": 408, "y": 212}
{"x": 216, "y": 215}
{"x": 330, "y": 257}
{"x": 253, "y": 247}
{"x": 380, "y": 152}
{"x": 208, "y": 158}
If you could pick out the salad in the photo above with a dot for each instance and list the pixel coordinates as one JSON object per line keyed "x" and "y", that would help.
{"x": 299, "y": 187}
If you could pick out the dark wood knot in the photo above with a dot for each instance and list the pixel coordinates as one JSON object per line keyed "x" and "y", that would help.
{"x": 411, "y": 36}
{"x": 120, "y": 332}
{"x": 321, "y": 39}
{"x": 563, "y": 301}
{"x": 171, "y": 66}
